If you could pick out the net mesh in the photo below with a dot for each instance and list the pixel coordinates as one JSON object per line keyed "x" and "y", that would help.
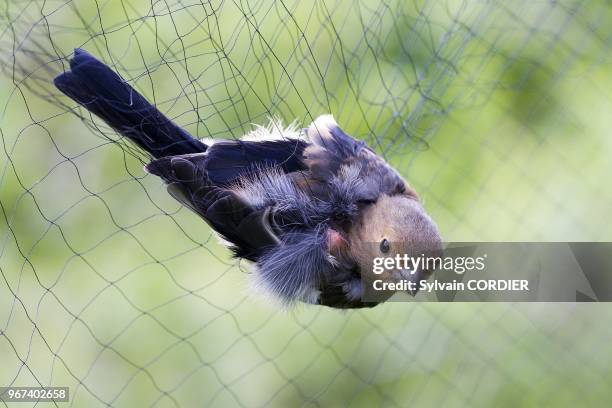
{"x": 496, "y": 112}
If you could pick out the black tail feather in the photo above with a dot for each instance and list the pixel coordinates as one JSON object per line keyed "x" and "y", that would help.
{"x": 103, "y": 92}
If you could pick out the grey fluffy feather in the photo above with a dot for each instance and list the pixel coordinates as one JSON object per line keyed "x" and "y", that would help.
{"x": 299, "y": 265}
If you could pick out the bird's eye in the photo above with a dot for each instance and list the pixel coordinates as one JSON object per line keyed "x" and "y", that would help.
{"x": 385, "y": 246}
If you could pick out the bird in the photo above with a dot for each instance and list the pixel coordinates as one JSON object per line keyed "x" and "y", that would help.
{"x": 310, "y": 208}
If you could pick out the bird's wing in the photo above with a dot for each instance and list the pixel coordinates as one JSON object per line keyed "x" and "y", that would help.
{"x": 333, "y": 157}
{"x": 228, "y": 214}
{"x": 230, "y": 160}
{"x": 209, "y": 184}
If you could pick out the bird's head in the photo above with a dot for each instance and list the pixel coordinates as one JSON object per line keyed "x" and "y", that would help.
{"x": 393, "y": 225}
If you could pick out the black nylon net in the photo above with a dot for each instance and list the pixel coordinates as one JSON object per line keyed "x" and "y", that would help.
{"x": 496, "y": 112}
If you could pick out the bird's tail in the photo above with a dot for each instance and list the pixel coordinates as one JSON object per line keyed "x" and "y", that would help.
{"x": 103, "y": 92}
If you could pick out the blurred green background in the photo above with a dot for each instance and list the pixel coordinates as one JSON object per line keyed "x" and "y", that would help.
{"x": 498, "y": 113}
